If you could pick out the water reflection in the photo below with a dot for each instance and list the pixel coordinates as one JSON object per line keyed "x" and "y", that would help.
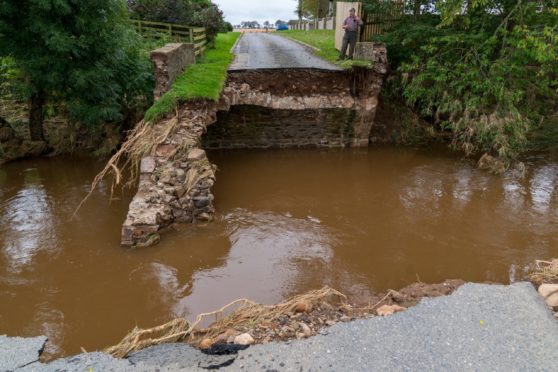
{"x": 268, "y": 253}
{"x": 27, "y": 223}
{"x": 543, "y": 187}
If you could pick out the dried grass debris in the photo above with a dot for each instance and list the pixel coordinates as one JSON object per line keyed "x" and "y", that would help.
{"x": 544, "y": 272}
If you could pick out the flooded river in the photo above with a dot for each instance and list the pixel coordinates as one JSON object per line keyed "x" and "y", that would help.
{"x": 287, "y": 222}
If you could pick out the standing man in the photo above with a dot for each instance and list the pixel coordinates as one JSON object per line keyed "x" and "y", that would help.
{"x": 350, "y": 25}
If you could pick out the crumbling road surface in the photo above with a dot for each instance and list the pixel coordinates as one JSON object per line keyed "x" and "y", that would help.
{"x": 479, "y": 327}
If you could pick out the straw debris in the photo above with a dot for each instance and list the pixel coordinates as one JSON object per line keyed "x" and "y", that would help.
{"x": 298, "y": 317}
{"x": 241, "y": 312}
{"x": 544, "y": 272}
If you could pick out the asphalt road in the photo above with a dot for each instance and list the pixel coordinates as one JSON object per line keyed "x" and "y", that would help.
{"x": 266, "y": 50}
{"x": 478, "y": 328}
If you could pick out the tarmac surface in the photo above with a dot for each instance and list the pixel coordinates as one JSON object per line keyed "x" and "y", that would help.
{"x": 479, "y": 327}
{"x": 269, "y": 51}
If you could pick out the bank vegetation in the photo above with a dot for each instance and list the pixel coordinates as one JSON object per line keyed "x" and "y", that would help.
{"x": 76, "y": 75}
{"x": 485, "y": 71}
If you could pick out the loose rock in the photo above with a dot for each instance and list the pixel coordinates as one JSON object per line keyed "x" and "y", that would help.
{"x": 206, "y": 343}
{"x": 306, "y": 331}
{"x": 243, "y": 339}
{"x": 550, "y": 294}
{"x": 389, "y": 309}
{"x": 196, "y": 154}
{"x": 303, "y": 307}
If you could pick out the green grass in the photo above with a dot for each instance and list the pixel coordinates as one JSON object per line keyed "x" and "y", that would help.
{"x": 324, "y": 41}
{"x": 204, "y": 80}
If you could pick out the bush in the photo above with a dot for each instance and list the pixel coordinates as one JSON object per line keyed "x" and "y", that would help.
{"x": 202, "y": 13}
{"x": 487, "y": 71}
{"x": 228, "y": 27}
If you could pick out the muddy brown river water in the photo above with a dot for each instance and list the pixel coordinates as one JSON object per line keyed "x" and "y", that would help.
{"x": 287, "y": 222}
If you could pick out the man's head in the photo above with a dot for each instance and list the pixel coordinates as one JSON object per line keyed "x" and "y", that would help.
{"x": 352, "y": 12}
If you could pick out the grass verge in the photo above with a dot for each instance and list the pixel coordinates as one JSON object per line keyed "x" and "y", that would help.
{"x": 205, "y": 79}
{"x": 324, "y": 42}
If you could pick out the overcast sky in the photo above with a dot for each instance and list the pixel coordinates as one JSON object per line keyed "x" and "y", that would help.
{"x": 237, "y": 11}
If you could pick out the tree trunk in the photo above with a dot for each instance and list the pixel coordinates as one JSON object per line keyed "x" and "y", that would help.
{"x": 36, "y": 116}
{"x": 416, "y": 9}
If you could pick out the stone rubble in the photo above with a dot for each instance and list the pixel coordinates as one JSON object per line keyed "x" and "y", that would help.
{"x": 175, "y": 181}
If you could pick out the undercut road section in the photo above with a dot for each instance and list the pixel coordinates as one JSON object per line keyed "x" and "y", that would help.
{"x": 266, "y": 51}
{"x": 479, "y": 327}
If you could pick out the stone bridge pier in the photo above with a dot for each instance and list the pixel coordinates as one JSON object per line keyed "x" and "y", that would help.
{"x": 279, "y": 108}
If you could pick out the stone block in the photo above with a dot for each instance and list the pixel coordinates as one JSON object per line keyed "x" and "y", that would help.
{"x": 147, "y": 165}
{"x": 127, "y": 234}
{"x": 6, "y": 134}
{"x": 196, "y": 154}
{"x": 550, "y": 294}
{"x": 373, "y": 52}
{"x": 165, "y": 151}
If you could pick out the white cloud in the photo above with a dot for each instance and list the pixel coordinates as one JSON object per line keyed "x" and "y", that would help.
{"x": 236, "y": 11}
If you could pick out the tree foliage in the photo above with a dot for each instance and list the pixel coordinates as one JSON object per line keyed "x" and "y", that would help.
{"x": 314, "y": 8}
{"x": 82, "y": 54}
{"x": 203, "y": 13}
{"x": 485, "y": 69}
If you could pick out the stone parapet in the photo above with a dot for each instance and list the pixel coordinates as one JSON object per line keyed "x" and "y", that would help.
{"x": 374, "y": 52}
{"x": 169, "y": 62}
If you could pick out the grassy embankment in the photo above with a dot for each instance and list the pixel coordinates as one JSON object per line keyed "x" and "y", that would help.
{"x": 204, "y": 80}
{"x": 324, "y": 42}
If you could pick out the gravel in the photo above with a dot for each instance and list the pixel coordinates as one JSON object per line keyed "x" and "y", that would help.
{"x": 267, "y": 51}
{"x": 479, "y": 327}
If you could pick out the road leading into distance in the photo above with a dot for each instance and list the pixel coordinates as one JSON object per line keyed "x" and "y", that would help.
{"x": 267, "y": 50}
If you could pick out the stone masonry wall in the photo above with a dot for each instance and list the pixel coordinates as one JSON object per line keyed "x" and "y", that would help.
{"x": 259, "y": 127}
{"x": 169, "y": 62}
{"x": 175, "y": 179}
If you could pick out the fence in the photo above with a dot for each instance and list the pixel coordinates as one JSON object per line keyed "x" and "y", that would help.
{"x": 177, "y": 33}
{"x": 378, "y": 23}
{"x": 316, "y": 24}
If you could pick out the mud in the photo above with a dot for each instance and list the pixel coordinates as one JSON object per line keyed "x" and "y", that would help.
{"x": 294, "y": 82}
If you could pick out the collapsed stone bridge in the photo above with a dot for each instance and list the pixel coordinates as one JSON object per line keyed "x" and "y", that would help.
{"x": 258, "y": 108}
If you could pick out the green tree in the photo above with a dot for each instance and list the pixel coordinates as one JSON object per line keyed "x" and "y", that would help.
{"x": 209, "y": 16}
{"x": 486, "y": 70}
{"x": 315, "y": 8}
{"x": 202, "y": 13}
{"x": 172, "y": 11}
{"x": 80, "y": 53}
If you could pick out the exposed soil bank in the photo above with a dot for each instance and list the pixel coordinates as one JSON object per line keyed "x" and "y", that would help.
{"x": 61, "y": 137}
